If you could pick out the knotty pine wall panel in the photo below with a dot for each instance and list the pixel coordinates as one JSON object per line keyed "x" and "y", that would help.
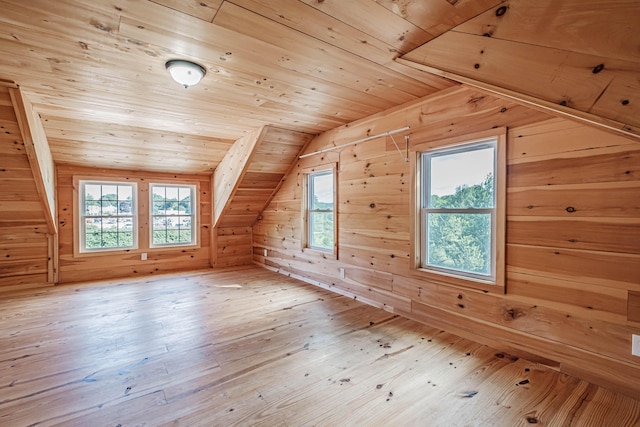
{"x": 74, "y": 268}
{"x": 24, "y": 245}
{"x": 573, "y": 248}
{"x": 233, "y": 246}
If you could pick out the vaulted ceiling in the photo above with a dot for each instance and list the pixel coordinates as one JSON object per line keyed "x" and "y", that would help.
{"x": 95, "y": 71}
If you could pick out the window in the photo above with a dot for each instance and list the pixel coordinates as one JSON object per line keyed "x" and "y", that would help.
{"x": 173, "y": 215}
{"x": 320, "y": 211}
{"x": 460, "y": 218}
{"x": 107, "y": 216}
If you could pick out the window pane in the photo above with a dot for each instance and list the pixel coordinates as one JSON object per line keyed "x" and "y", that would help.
{"x": 126, "y": 239}
{"x": 109, "y": 192}
{"x": 185, "y": 222}
{"x": 109, "y": 206}
{"x": 92, "y": 195}
{"x": 184, "y": 196}
{"x": 125, "y": 224}
{"x": 124, "y": 192}
{"x": 184, "y": 236}
{"x": 159, "y": 237}
{"x": 321, "y": 230}
{"x": 158, "y": 208}
{"x": 93, "y": 232}
{"x": 459, "y": 242}
{"x": 461, "y": 180}
{"x": 322, "y": 191}
{"x": 171, "y": 208}
{"x": 159, "y": 223}
{"x": 125, "y": 207}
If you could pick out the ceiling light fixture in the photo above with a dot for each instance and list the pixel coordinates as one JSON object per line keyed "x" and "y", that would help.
{"x": 186, "y": 73}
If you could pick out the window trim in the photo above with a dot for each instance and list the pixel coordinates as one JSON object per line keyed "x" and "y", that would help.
{"x": 306, "y": 173}
{"x": 495, "y": 283}
{"x": 81, "y": 247}
{"x": 194, "y": 215}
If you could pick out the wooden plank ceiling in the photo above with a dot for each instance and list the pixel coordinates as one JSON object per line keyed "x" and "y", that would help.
{"x": 574, "y": 57}
{"x": 95, "y": 71}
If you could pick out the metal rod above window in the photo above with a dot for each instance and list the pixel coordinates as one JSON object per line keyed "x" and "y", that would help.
{"x": 368, "y": 138}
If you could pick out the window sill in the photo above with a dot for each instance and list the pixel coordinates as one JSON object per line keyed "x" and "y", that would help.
{"x": 458, "y": 281}
{"x": 321, "y": 253}
{"x": 121, "y": 252}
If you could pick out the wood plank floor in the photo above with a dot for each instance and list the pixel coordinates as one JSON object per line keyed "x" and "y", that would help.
{"x": 251, "y": 347}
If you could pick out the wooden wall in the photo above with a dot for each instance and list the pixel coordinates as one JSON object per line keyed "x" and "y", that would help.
{"x": 128, "y": 263}
{"x": 25, "y": 242}
{"x": 573, "y": 235}
{"x": 244, "y": 183}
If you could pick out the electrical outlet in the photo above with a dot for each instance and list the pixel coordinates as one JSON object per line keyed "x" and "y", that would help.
{"x": 143, "y": 256}
{"x": 341, "y": 273}
{"x": 635, "y": 345}
{"x": 265, "y": 252}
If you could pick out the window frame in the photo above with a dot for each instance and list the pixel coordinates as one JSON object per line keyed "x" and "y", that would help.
{"x": 80, "y": 211}
{"x": 194, "y": 214}
{"x": 307, "y": 173}
{"x": 495, "y": 282}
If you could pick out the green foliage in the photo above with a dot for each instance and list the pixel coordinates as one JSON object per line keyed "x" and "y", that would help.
{"x": 462, "y": 241}
{"x": 171, "y": 236}
{"x": 476, "y": 196}
{"x": 107, "y": 239}
{"x": 161, "y": 204}
{"x": 322, "y": 230}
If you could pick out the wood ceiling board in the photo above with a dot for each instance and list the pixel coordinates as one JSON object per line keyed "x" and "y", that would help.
{"x": 373, "y": 19}
{"x": 103, "y": 62}
{"x": 120, "y": 134}
{"x": 621, "y": 100}
{"x": 108, "y": 159}
{"x": 264, "y": 180}
{"x": 593, "y": 27}
{"x": 320, "y": 59}
{"x": 312, "y": 22}
{"x": 552, "y": 74}
{"x": 263, "y": 75}
{"x": 555, "y": 76}
{"x": 196, "y": 8}
{"x": 438, "y": 16}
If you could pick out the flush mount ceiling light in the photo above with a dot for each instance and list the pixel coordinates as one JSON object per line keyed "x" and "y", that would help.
{"x": 186, "y": 73}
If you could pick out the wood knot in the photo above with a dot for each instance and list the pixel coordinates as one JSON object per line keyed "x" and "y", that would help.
{"x": 513, "y": 314}
{"x": 625, "y": 102}
{"x": 476, "y": 66}
{"x": 372, "y": 205}
{"x": 570, "y": 209}
{"x": 597, "y": 68}
{"x": 501, "y": 10}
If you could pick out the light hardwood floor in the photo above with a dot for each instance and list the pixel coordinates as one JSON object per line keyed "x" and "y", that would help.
{"x": 251, "y": 347}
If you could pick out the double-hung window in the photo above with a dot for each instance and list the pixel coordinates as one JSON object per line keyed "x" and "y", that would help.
{"x": 173, "y": 215}
{"x": 108, "y": 217}
{"x": 123, "y": 215}
{"x": 461, "y": 210}
{"x": 320, "y": 211}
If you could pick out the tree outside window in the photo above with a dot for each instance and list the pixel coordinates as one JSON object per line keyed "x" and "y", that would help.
{"x": 321, "y": 211}
{"x": 172, "y": 215}
{"x": 458, "y": 212}
{"x": 108, "y": 215}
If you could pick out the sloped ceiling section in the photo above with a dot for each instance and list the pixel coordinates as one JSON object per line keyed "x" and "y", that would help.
{"x": 95, "y": 71}
{"x": 575, "y": 57}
